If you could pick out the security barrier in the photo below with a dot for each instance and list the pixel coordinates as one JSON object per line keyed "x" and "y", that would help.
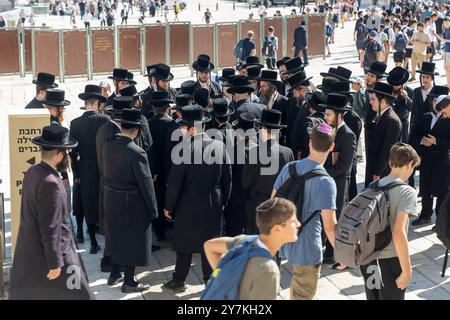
{"x": 98, "y": 50}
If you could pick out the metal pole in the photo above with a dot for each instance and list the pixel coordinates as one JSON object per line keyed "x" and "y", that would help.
{"x": 21, "y": 43}
{"x": 284, "y": 33}
{"x": 191, "y": 45}
{"x": 168, "y": 44}
{"x": 261, "y": 37}
{"x": 234, "y": 4}
{"x": 143, "y": 51}
{"x": 116, "y": 47}
{"x": 89, "y": 53}
{"x": 217, "y": 6}
{"x": 216, "y": 46}
{"x": 2, "y": 242}
{"x": 199, "y": 9}
{"x": 61, "y": 56}
{"x": 33, "y": 54}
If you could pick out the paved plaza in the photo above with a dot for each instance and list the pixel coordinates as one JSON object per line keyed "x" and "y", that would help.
{"x": 426, "y": 250}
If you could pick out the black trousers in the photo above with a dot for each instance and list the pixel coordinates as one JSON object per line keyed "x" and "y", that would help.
{"x": 271, "y": 63}
{"x": 305, "y": 54}
{"x": 427, "y": 206}
{"x": 183, "y": 265}
{"x": 382, "y": 286}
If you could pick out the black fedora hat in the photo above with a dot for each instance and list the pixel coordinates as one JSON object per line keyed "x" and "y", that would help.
{"x": 91, "y": 91}
{"x": 298, "y": 79}
{"x": 45, "y": 79}
{"x": 245, "y": 122}
{"x": 377, "y": 68}
{"x": 383, "y": 89}
{"x": 269, "y": 75}
{"x": 55, "y": 97}
{"x": 428, "y": 68}
{"x": 337, "y": 102}
{"x": 325, "y": 86}
{"x": 161, "y": 71}
{"x": 181, "y": 100}
{"x": 131, "y": 118}
{"x": 339, "y": 73}
{"x": 293, "y": 65}
{"x": 239, "y": 66}
{"x": 161, "y": 98}
{"x": 129, "y": 91}
{"x": 240, "y": 84}
{"x": 188, "y": 87}
{"x": 54, "y": 137}
{"x": 437, "y": 91}
{"x": 119, "y": 74}
{"x": 314, "y": 99}
{"x": 119, "y": 103}
{"x": 220, "y": 108}
{"x": 282, "y": 62}
{"x": 398, "y": 76}
{"x": 201, "y": 96}
{"x": 226, "y": 74}
{"x": 252, "y": 61}
{"x": 342, "y": 87}
{"x": 271, "y": 119}
{"x": 149, "y": 70}
{"x": 130, "y": 77}
{"x": 191, "y": 114}
{"x": 203, "y": 63}
{"x": 253, "y": 72}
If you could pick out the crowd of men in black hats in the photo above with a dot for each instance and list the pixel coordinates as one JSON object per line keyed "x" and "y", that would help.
{"x": 127, "y": 179}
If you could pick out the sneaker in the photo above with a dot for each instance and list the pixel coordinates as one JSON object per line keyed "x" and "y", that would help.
{"x": 174, "y": 286}
{"x": 421, "y": 221}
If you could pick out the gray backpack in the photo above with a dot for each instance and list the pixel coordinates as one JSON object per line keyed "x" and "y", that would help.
{"x": 363, "y": 229}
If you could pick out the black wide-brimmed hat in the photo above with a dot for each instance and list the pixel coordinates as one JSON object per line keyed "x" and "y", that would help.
{"x": 129, "y": 91}
{"x": 130, "y": 80}
{"x": 245, "y": 122}
{"x": 54, "y": 137}
{"x": 119, "y": 74}
{"x": 188, "y": 87}
{"x": 119, "y": 103}
{"x": 339, "y": 73}
{"x": 161, "y": 71}
{"x": 131, "y": 118}
{"x": 91, "y": 91}
{"x": 270, "y": 119}
{"x": 383, "y": 89}
{"x": 226, "y": 74}
{"x": 293, "y": 65}
{"x": 377, "y": 68}
{"x": 182, "y": 100}
{"x": 55, "y": 97}
{"x": 240, "y": 84}
{"x": 220, "y": 108}
{"x": 203, "y": 63}
{"x": 342, "y": 87}
{"x": 428, "y": 68}
{"x": 298, "y": 79}
{"x": 149, "y": 70}
{"x": 269, "y": 75}
{"x": 253, "y": 72}
{"x": 325, "y": 86}
{"x": 398, "y": 76}
{"x": 315, "y": 99}
{"x": 45, "y": 79}
{"x": 239, "y": 66}
{"x": 191, "y": 114}
{"x": 161, "y": 98}
{"x": 437, "y": 91}
{"x": 252, "y": 61}
{"x": 337, "y": 102}
{"x": 201, "y": 96}
{"x": 282, "y": 62}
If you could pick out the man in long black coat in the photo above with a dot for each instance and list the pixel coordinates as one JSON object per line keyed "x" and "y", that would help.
{"x": 385, "y": 132}
{"x": 46, "y": 264}
{"x": 84, "y": 162}
{"x": 203, "y": 68}
{"x": 108, "y": 132}
{"x": 432, "y": 140}
{"x": 196, "y": 194}
{"x": 43, "y": 82}
{"x": 130, "y": 203}
{"x": 241, "y": 90}
{"x": 258, "y": 178}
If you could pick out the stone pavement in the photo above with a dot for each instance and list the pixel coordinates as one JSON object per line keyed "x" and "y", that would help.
{"x": 426, "y": 251}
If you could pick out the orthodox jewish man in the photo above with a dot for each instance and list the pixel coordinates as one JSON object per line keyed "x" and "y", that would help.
{"x": 203, "y": 68}
{"x": 221, "y": 112}
{"x": 84, "y": 163}
{"x": 146, "y": 94}
{"x": 196, "y": 194}
{"x": 43, "y": 82}
{"x": 432, "y": 140}
{"x": 421, "y": 104}
{"x": 121, "y": 79}
{"x": 386, "y": 131}
{"x": 130, "y": 203}
{"x": 241, "y": 90}
{"x": 46, "y": 264}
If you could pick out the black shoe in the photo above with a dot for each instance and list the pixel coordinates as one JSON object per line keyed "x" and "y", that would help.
{"x": 112, "y": 281}
{"x": 131, "y": 289}
{"x": 105, "y": 264}
{"x": 80, "y": 237}
{"x": 421, "y": 221}
{"x": 174, "y": 286}
{"x": 155, "y": 248}
{"x": 434, "y": 228}
{"x": 94, "y": 249}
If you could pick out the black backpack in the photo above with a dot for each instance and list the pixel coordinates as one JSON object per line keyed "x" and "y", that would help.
{"x": 294, "y": 189}
{"x": 443, "y": 228}
{"x": 268, "y": 48}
